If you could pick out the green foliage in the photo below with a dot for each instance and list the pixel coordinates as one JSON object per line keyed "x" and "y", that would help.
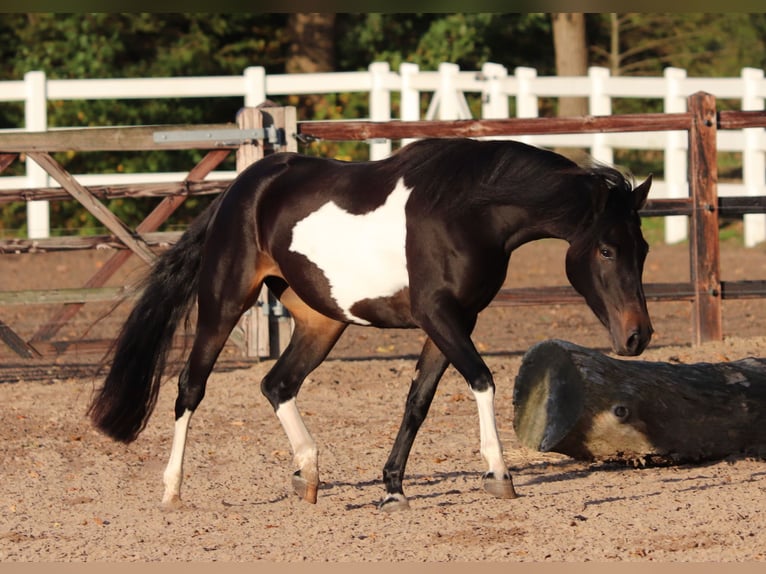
{"x": 468, "y": 40}
{"x": 125, "y": 45}
{"x": 703, "y": 44}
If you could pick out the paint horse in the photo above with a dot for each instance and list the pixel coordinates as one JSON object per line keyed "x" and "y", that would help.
{"x": 421, "y": 239}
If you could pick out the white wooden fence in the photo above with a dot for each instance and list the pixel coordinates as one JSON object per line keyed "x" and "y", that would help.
{"x": 447, "y": 87}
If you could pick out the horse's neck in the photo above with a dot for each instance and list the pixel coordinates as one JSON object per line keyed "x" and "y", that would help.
{"x": 521, "y": 232}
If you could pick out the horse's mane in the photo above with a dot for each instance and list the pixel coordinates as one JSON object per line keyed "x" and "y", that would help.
{"x": 458, "y": 172}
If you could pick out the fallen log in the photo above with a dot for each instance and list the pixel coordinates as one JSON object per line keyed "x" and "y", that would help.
{"x": 586, "y": 405}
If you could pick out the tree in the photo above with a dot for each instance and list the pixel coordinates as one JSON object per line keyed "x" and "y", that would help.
{"x": 311, "y": 49}
{"x": 703, "y": 44}
{"x": 569, "y": 41}
{"x": 312, "y": 43}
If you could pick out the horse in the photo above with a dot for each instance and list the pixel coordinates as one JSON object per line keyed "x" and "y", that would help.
{"x": 420, "y": 239}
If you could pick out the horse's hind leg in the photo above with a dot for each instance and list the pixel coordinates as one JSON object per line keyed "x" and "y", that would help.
{"x": 224, "y": 294}
{"x": 313, "y": 337}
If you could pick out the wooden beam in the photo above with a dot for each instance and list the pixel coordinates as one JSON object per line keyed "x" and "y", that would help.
{"x": 673, "y": 206}
{"x": 703, "y": 237}
{"x": 131, "y": 190}
{"x": 93, "y": 205}
{"x": 125, "y": 138}
{"x": 54, "y": 296}
{"x": 6, "y": 159}
{"x": 364, "y": 130}
{"x": 565, "y": 294}
{"x": 82, "y": 242}
{"x": 735, "y": 119}
{"x": 17, "y": 344}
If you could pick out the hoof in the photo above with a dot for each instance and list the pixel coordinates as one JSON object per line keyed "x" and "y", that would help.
{"x": 305, "y": 489}
{"x": 172, "y": 503}
{"x": 394, "y": 503}
{"x": 499, "y": 488}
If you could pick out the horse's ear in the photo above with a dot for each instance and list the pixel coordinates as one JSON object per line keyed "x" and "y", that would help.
{"x": 642, "y": 192}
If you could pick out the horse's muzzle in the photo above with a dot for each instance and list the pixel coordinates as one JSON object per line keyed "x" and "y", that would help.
{"x": 636, "y": 341}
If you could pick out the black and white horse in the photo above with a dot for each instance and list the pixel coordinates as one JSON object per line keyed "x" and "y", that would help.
{"x": 419, "y": 239}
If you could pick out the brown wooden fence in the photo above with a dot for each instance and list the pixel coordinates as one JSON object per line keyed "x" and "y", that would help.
{"x": 264, "y": 334}
{"x": 248, "y": 136}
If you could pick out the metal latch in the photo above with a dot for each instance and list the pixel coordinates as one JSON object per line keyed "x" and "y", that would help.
{"x": 225, "y": 137}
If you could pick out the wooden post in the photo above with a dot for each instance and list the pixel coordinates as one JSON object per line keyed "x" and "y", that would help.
{"x": 254, "y": 323}
{"x": 285, "y": 120}
{"x": 266, "y": 326}
{"x": 703, "y": 239}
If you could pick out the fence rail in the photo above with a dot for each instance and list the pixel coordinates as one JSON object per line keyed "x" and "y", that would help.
{"x": 501, "y": 93}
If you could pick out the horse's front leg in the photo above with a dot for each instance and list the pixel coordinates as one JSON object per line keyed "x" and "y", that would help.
{"x": 450, "y": 329}
{"x": 430, "y": 368}
{"x": 497, "y": 479}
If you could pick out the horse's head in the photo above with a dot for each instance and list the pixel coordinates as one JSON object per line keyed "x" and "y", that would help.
{"x": 605, "y": 261}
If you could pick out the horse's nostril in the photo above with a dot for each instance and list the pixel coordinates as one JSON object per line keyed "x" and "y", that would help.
{"x": 634, "y": 341}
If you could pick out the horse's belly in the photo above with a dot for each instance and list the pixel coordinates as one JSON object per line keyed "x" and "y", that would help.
{"x": 362, "y": 257}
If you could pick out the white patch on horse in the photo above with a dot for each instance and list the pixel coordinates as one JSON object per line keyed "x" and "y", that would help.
{"x": 303, "y": 446}
{"x": 362, "y": 256}
{"x": 491, "y": 449}
{"x": 174, "y": 471}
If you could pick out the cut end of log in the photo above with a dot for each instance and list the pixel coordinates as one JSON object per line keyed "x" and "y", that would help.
{"x": 547, "y": 397}
{"x": 584, "y": 404}
{"x": 565, "y": 407}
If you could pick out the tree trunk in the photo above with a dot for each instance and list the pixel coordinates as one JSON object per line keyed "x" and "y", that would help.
{"x": 311, "y": 50}
{"x": 586, "y": 405}
{"x": 571, "y": 48}
{"x": 312, "y": 43}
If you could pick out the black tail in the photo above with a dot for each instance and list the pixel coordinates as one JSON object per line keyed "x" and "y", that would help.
{"x": 122, "y": 407}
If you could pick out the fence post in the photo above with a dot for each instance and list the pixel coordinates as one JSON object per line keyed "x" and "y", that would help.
{"x": 494, "y": 100}
{"x": 255, "y": 86}
{"x": 444, "y": 103}
{"x": 255, "y": 321}
{"x": 380, "y": 106}
{"x": 36, "y": 120}
{"x": 526, "y": 100}
{"x": 280, "y": 324}
{"x": 676, "y": 226}
{"x": 703, "y": 239}
{"x": 753, "y": 156}
{"x": 410, "y": 96}
{"x": 600, "y": 104}
{"x": 266, "y": 326}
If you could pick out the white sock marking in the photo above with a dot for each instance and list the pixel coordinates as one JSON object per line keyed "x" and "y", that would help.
{"x": 173, "y": 475}
{"x": 491, "y": 449}
{"x": 362, "y": 256}
{"x": 303, "y": 446}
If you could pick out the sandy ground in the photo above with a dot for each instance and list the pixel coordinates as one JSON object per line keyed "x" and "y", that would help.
{"x": 70, "y": 494}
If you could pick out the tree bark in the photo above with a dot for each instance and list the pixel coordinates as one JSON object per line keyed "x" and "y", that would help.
{"x": 586, "y": 405}
{"x": 311, "y": 50}
{"x": 571, "y": 49}
{"x": 312, "y": 43}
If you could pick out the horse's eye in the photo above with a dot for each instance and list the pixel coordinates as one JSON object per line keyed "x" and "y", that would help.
{"x": 606, "y": 252}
